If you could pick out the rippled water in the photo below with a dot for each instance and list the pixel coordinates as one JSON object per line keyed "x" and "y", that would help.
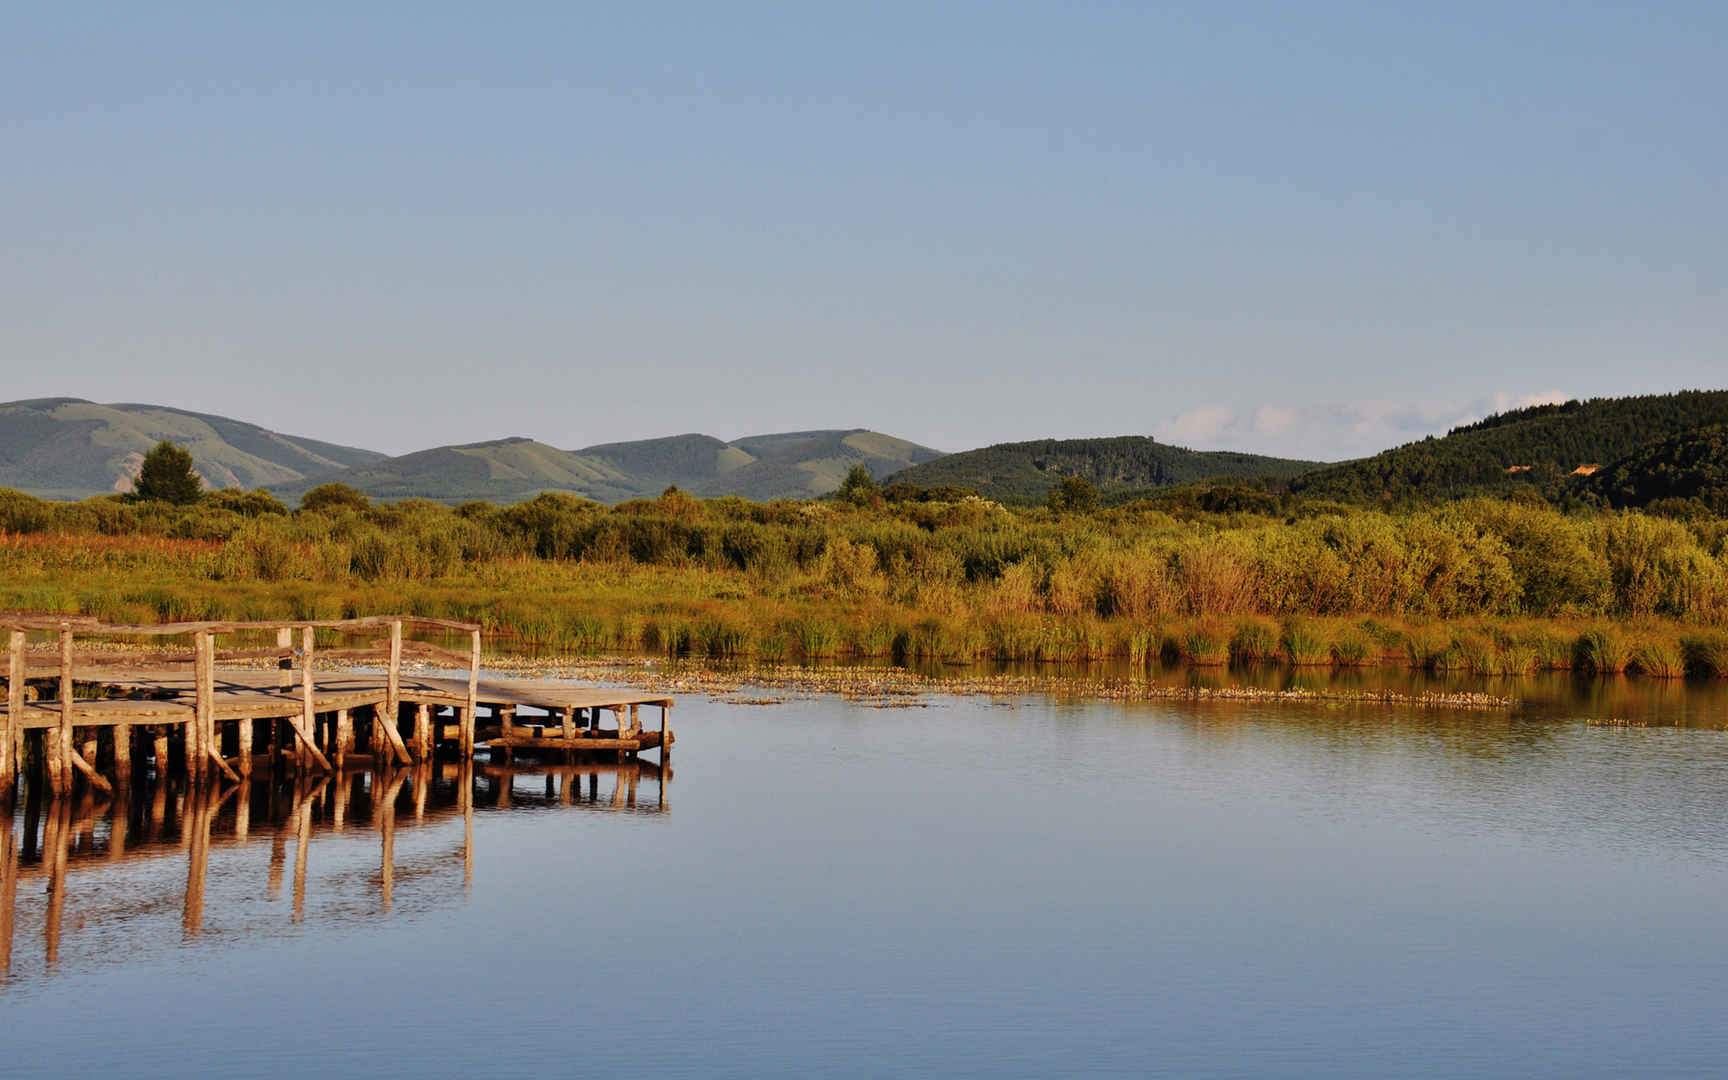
{"x": 976, "y": 887}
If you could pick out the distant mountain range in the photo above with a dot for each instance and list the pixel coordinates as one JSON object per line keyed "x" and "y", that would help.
{"x": 68, "y": 448}
{"x": 794, "y": 465}
{"x": 1027, "y": 470}
{"x": 1626, "y": 451}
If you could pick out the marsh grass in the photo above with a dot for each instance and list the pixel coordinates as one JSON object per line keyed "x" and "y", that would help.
{"x": 1603, "y": 650}
{"x": 1658, "y": 657}
{"x": 1254, "y": 640}
{"x": 1354, "y": 648}
{"x": 1305, "y": 644}
{"x": 1707, "y": 653}
{"x": 1204, "y": 644}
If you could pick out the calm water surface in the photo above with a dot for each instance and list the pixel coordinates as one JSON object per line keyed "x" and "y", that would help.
{"x": 974, "y": 888}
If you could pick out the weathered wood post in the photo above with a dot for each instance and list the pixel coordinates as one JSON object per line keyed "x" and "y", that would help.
{"x": 344, "y": 737}
{"x": 61, "y": 759}
{"x": 12, "y": 753}
{"x": 422, "y": 733}
{"x": 665, "y": 747}
{"x": 204, "y": 706}
{"x": 469, "y": 714}
{"x": 393, "y": 680}
{"x": 308, "y": 703}
{"x": 285, "y": 640}
{"x": 122, "y": 754}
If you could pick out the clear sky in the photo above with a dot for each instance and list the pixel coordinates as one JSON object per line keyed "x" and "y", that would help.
{"x": 1312, "y": 229}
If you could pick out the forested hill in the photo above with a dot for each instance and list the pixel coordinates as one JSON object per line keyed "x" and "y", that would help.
{"x": 1540, "y": 446}
{"x": 1690, "y": 465}
{"x": 1027, "y": 470}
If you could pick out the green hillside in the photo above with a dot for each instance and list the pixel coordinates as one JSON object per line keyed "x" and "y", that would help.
{"x": 1027, "y": 470}
{"x": 1690, "y": 465}
{"x": 1537, "y": 447}
{"x": 789, "y": 465}
{"x": 68, "y": 448}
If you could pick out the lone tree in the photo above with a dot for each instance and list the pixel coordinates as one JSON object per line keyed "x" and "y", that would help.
{"x": 166, "y": 476}
{"x": 1075, "y": 494}
{"x": 858, "y": 487}
{"x": 333, "y": 499}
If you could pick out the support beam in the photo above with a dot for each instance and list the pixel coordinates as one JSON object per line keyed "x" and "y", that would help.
{"x": 423, "y": 733}
{"x": 390, "y": 739}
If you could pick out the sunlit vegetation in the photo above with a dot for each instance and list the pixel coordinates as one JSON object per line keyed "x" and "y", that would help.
{"x": 1490, "y": 587}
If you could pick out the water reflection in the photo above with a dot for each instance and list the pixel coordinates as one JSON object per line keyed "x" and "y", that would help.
{"x": 90, "y": 873}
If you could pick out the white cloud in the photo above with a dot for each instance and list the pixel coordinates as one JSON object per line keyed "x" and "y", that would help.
{"x": 1335, "y": 429}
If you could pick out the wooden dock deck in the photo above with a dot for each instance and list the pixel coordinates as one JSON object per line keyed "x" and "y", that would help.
{"x": 181, "y": 707}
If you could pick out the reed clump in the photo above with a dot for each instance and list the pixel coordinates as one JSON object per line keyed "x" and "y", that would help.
{"x": 1603, "y": 650}
{"x": 1305, "y": 644}
{"x": 1658, "y": 657}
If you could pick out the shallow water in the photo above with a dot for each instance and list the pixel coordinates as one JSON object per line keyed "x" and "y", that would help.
{"x": 977, "y": 887}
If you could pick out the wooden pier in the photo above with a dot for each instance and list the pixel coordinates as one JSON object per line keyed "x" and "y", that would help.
{"x": 176, "y": 705}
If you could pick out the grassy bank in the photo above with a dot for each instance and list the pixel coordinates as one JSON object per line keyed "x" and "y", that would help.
{"x": 1484, "y": 586}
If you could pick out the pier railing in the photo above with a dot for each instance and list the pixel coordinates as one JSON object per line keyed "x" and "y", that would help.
{"x": 62, "y": 755}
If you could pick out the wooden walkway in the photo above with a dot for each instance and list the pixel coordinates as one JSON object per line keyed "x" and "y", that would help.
{"x": 182, "y": 707}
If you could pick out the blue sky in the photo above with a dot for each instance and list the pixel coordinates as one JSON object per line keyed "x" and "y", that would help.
{"x": 1312, "y": 229}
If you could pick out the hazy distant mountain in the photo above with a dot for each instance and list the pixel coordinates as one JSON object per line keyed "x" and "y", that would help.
{"x": 1541, "y": 446}
{"x": 67, "y": 448}
{"x": 790, "y": 465}
{"x": 1027, "y": 470}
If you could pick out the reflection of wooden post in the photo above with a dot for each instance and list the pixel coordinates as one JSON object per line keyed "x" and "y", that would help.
{"x": 302, "y": 840}
{"x": 465, "y": 789}
{"x": 58, "y": 835}
{"x": 387, "y": 844}
{"x": 8, "y": 883}
{"x": 468, "y": 717}
{"x": 243, "y": 810}
{"x": 199, "y": 809}
{"x": 61, "y": 759}
{"x": 159, "y": 806}
{"x": 12, "y": 732}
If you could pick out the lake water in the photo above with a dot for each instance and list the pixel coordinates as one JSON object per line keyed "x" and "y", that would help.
{"x": 972, "y": 888}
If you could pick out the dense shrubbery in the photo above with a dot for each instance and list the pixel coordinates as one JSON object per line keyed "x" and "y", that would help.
{"x": 907, "y": 576}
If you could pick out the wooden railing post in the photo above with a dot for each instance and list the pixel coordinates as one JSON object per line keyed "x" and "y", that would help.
{"x": 393, "y": 680}
{"x": 63, "y": 750}
{"x": 469, "y": 714}
{"x": 308, "y": 704}
{"x": 198, "y": 733}
{"x": 285, "y": 640}
{"x": 12, "y": 735}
